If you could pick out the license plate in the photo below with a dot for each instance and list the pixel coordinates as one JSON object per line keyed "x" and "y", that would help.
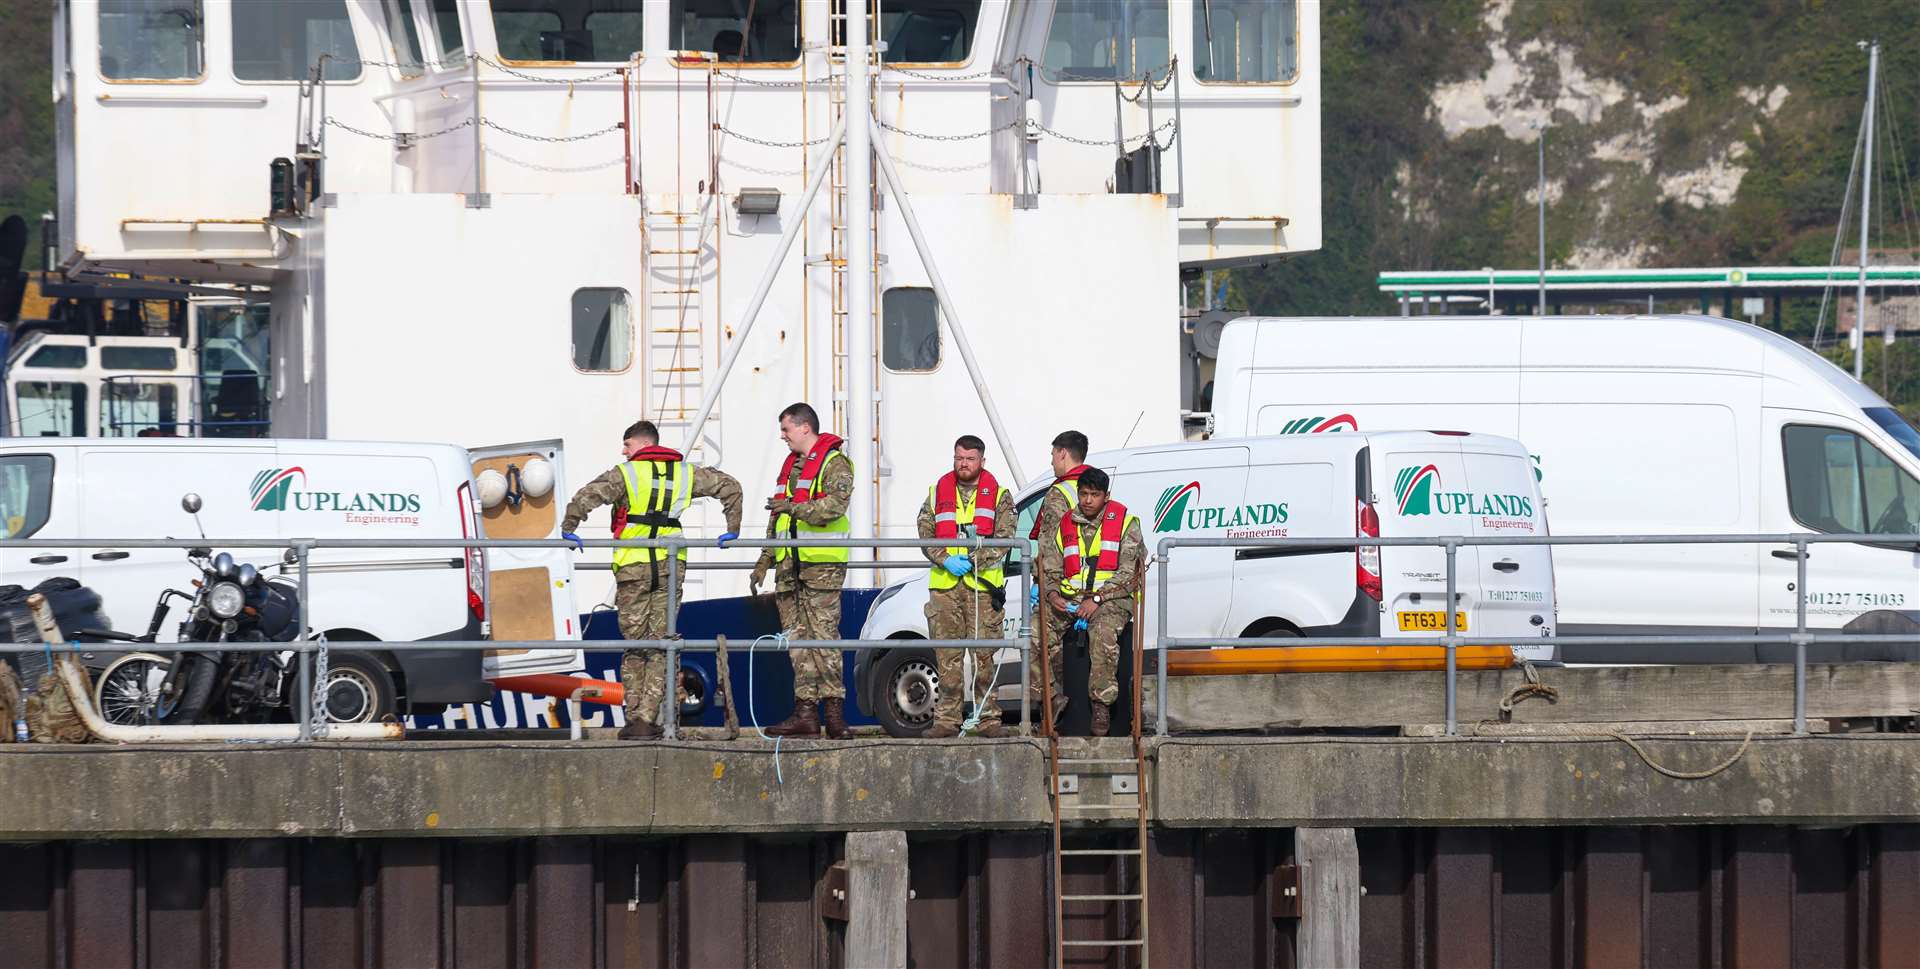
{"x": 1433, "y": 621}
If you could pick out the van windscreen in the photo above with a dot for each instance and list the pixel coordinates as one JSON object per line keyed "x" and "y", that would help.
{"x": 1897, "y": 428}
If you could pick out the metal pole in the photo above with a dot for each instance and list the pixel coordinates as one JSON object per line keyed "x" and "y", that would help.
{"x": 1179, "y": 135}
{"x": 1492, "y": 308}
{"x": 671, "y": 720}
{"x": 1160, "y": 646}
{"x": 891, "y": 176}
{"x": 822, "y": 164}
{"x": 1857, "y": 339}
{"x": 479, "y": 177}
{"x": 1026, "y": 644}
{"x": 304, "y": 707}
{"x": 1800, "y": 639}
{"x": 1453, "y": 555}
{"x": 1541, "y": 310}
{"x": 861, "y": 431}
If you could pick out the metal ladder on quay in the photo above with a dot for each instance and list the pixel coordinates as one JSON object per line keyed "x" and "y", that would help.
{"x": 1089, "y": 825}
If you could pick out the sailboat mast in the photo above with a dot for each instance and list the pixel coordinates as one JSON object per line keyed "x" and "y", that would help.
{"x": 1858, "y": 340}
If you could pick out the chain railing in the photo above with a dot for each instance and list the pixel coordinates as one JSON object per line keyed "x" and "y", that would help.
{"x": 1799, "y": 637}
{"x": 312, "y": 651}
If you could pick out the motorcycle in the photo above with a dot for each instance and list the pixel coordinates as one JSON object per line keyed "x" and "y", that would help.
{"x": 231, "y": 602}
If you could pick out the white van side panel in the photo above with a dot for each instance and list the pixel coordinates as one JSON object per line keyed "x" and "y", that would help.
{"x": 1190, "y": 492}
{"x": 1304, "y": 590}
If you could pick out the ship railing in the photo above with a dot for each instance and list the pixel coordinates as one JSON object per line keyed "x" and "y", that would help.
{"x": 297, "y": 553}
{"x": 1799, "y": 637}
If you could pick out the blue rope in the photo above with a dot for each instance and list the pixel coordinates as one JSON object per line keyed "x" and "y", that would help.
{"x": 780, "y": 640}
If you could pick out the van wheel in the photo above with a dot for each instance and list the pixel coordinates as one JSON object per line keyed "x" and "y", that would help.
{"x": 907, "y": 683}
{"x": 359, "y": 689}
{"x": 1273, "y": 628}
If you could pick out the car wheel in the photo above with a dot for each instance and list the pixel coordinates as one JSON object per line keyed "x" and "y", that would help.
{"x": 907, "y": 682}
{"x": 359, "y": 689}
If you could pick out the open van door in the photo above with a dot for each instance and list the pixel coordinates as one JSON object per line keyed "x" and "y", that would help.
{"x": 529, "y": 591}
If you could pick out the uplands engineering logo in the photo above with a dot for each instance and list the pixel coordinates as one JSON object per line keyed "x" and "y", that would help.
{"x": 1172, "y": 513}
{"x": 273, "y": 490}
{"x": 1417, "y": 491}
{"x": 1321, "y": 425}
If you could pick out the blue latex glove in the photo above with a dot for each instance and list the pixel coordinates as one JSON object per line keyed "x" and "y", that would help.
{"x": 1033, "y": 596}
{"x": 958, "y": 564}
{"x": 575, "y": 539}
{"x": 1073, "y": 608}
{"x": 722, "y": 541}
{"x": 1080, "y": 624}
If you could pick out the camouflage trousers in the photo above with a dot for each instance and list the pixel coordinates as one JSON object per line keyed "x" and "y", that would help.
{"x": 643, "y": 672}
{"x": 961, "y": 613}
{"x": 810, "y": 609}
{"x": 1103, "y": 650}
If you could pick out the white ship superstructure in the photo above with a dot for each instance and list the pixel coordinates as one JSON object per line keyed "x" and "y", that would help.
{"x": 533, "y": 219}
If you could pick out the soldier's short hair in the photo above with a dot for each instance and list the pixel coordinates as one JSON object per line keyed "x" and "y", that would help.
{"x": 1073, "y": 442}
{"x": 642, "y": 431}
{"x": 970, "y": 442}
{"x": 802, "y": 413}
{"x": 1097, "y": 480}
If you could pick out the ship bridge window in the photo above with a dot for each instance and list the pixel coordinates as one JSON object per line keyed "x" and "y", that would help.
{"x": 152, "y": 40}
{"x": 589, "y": 31}
{"x": 136, "y": 409}
{"x": 928, "y": 31}
{"x": 1097, "y": 40}
{"x": 1246, "y": 41}
{"x": 138, "y": 358}
{"x": 735, "y": 31}
{"x": 910, "y": 329}
{"x": 58, "y": 357}
{"x": 44, "y": 408}
{"x": 284, "y": 41}
{"x": 602, "y": 330}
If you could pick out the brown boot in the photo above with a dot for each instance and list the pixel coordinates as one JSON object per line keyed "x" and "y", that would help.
{"x": 1102, "y": 720}
{"x": 805, "y": 722}
{"x": 992, "y": 729}
{"x": 942, "y": 730}
{"x": 833, "y": 715}
{"x": 637, "y": 729}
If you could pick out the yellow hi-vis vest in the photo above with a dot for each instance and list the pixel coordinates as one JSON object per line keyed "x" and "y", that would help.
{"x": 979, "y": 580}
{"x": 1098, "y": 554}
{"x": 658, "y": 492}
{"x": 787, "y": 526}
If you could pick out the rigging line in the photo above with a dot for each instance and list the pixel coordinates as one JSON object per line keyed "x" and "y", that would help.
{"x": 1839, "y": 234}
{"x": 1903, "y": 185}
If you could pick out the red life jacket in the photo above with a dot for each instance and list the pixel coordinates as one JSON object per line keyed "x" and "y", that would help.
{"x": 1072, "y": 475}
{"x": 1113, "y": 530}
{"x": 946, "y": 503}
{"x": 809, "y": 472}
{"x": 652, "y": 452}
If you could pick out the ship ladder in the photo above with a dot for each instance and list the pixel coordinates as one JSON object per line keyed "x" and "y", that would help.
{"x": 1100, "y": 804}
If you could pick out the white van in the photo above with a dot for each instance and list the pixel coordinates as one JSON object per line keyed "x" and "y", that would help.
{"x": 1385, "y": 483}
{"x": 1639, "y": 425}
{"x": 96, "y": 488}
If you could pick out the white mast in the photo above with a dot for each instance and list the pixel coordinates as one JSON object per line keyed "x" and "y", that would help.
{"x": 861, "y": 361}
{"x": 1857, "y": 339}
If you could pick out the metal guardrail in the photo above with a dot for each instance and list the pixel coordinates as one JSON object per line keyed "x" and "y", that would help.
{"x": 1799, "y": 637}
{"x": 306, "y": 648}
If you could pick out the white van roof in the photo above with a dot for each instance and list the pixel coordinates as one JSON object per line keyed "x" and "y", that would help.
{"x": 1336, "y": 445}
{"x": 1637, "y": 341}
{"x": 368, "y": 448}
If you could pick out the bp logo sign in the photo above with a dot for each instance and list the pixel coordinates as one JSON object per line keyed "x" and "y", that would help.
{"x": 272, "y": 486}
{"x": 1179, "y": 507}
{"x": 1413, "y": 489}
{"x": 1321, "y": 425}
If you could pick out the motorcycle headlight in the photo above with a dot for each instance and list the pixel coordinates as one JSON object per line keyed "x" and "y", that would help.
{"x": 226, "y": 600}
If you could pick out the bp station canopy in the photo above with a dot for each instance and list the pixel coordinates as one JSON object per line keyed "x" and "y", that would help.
{"x": 1442, "y": 291}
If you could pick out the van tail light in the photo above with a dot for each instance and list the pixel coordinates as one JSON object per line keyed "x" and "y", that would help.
{"x": 475, "y": 565}
{"x": 1366, "y": 558}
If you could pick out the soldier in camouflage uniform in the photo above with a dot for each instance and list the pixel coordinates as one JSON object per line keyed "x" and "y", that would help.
{"x": 1090, "y": 591}
{"x": 1069, "y": 453}
{"x": 662, "y": 484}
{"x": 966, "y": 589}
{"x": 810, "y": 501}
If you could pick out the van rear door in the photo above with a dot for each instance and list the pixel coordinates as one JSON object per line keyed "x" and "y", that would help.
{"x": 528, "y": 591}
{"x": 1417, "y": 479}
{"x": 1516, "y": 581}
